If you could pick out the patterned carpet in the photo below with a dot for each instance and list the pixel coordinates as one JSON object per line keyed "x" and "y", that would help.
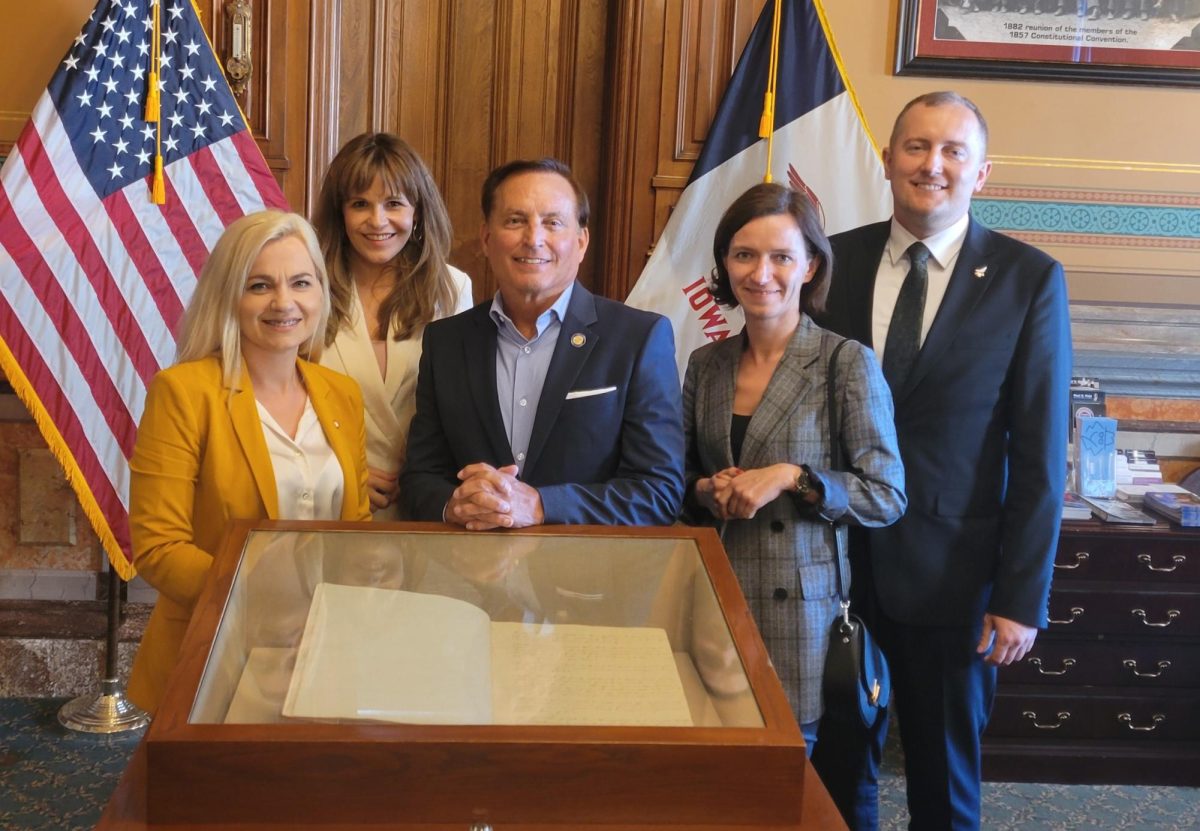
{"x": 54, "y": 780}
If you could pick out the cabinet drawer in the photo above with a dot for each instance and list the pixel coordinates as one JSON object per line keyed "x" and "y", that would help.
{"x": 1157, "y": 664}
{"x": 1142, "y": 614}
{"x": 1065, "y": 716}
{"x": 1144, "y": 559}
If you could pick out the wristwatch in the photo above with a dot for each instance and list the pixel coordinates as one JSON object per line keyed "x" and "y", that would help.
{"x": 803, "y": 483}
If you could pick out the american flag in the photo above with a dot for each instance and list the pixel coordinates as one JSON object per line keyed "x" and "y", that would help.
{"x": 93, "y": 276}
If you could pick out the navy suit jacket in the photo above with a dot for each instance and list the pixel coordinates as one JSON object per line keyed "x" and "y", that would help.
{"x": 613, "y": 457}
{"x": 981, "y": 423}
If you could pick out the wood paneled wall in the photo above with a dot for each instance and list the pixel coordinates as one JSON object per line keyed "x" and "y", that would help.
{"x": 623, "y": 91}
{"x": 276, "y": 99}
{"x": 676, "y": 60}
{"x": 470, "y": 84}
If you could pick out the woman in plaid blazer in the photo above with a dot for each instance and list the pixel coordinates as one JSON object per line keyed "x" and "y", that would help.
{"x": 758, "y": 436}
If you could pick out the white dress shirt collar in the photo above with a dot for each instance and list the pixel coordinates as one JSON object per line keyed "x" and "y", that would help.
{"x": 943, "y": 246}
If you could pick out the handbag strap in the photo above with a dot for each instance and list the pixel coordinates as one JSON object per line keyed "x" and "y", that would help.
{"x": 835, "y": 463}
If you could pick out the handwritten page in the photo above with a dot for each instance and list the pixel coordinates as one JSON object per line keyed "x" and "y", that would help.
{"x": 391, "y": 655}
{"x": 585, "y": 675}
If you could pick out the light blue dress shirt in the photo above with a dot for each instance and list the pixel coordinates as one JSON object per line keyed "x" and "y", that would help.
{"x": 521, "y": 367}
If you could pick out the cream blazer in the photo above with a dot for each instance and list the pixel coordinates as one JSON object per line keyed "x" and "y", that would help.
{"x": 389, "y": 402}
{"x": 201, "y": 460}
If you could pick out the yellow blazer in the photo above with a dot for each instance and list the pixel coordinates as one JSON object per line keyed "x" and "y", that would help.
{"x": 201, "y": 460}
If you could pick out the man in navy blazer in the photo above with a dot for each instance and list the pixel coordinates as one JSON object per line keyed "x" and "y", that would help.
{"x": 546, "y": 404}
{"x": 959, "y": 586}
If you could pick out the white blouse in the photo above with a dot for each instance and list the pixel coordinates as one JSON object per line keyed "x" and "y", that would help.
{"x": 308, "y": 477}
{"x": 389, "y": 402}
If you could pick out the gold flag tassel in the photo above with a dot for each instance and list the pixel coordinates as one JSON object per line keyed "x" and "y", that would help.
{"x": 766, "y": 125}
{"x": 152, "y": 105}
{"x": 158, "y": 188}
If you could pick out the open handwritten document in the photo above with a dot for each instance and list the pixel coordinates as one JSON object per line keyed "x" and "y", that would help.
{"x": 389, "y": 655}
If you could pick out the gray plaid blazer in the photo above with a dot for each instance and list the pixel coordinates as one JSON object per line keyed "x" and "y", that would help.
{"x": 783, "y": 557}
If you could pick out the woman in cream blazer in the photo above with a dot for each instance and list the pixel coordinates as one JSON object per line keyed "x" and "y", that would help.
{"x": 755, "y": 422}
{"x": 386, "y": 236}
{"x": 210, "y": 436}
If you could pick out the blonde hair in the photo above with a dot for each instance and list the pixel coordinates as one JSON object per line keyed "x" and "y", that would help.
{"x": 423, "y": 288}
{"x": 210, "y": 323}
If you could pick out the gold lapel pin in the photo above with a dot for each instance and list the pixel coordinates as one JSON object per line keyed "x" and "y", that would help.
{"x": 981, "y": 272}
{"x": 578, "y": 340}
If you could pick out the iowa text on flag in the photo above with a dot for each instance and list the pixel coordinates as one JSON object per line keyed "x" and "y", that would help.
{"x": 820, "y": 146}
{"x": 93, "y": 276}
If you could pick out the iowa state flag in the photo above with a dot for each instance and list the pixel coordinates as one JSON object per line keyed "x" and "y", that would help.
{"x": 820, "y": 146}
{"x": 93, "y": 276}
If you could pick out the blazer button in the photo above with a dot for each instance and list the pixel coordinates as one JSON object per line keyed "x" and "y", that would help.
{"x": 777, "y": 525}
{"x": 780, "y": 593}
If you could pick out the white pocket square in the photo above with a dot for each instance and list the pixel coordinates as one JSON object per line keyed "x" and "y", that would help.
{"x": 589, "y": 393}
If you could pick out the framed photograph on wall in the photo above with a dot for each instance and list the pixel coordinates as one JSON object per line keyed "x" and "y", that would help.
{"x": 1108, "y": 41}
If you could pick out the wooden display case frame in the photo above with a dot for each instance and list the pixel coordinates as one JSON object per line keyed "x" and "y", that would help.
{"x": 445, "y": 776}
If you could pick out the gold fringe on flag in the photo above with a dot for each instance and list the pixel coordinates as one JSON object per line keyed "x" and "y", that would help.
{"x": 837, "y": 59}
{"x": 58, "y": 447}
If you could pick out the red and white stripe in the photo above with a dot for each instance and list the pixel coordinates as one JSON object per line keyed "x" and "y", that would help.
{"x": 92, "y": 290}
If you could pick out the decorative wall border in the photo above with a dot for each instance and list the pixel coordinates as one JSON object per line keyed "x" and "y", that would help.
{"x": 1132, "y": 219}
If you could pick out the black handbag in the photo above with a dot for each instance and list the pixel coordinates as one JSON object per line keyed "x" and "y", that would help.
{"x": 856, "y": 684}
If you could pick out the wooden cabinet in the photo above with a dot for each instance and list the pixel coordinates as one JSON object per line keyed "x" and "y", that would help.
{"x": 1111, "y": 691}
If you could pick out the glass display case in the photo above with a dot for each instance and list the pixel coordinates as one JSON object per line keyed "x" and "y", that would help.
{"x": 417, "y": 675}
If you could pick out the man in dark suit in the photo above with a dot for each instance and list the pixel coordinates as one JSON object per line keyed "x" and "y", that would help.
{"x": 546, "y": 404}
{"x": 979, "y": 335}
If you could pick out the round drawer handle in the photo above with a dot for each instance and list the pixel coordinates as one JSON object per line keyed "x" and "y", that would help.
{"x": 1081, "y": 557}
{"x": 1076, "y": 611}
{"x": 1067, "y": 663}
{"x": 1063, "y": 717}
{"x": 1157, "y": 718}
{"x": 1178, "y": 560}
{"x": 1163, "y": 666}
{"x": 1141, "y": 614}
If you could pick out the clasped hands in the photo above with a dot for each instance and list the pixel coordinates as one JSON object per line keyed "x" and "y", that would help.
{"x": 491, "y": 497}
{"x": 734, "y": 493}
{"x": 382, "y": 488}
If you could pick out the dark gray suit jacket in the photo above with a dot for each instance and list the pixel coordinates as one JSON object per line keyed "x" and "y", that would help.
{"x": 788, "y": 546}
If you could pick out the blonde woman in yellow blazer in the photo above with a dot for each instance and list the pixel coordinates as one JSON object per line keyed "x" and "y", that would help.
{"x": 244, "y": 384}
